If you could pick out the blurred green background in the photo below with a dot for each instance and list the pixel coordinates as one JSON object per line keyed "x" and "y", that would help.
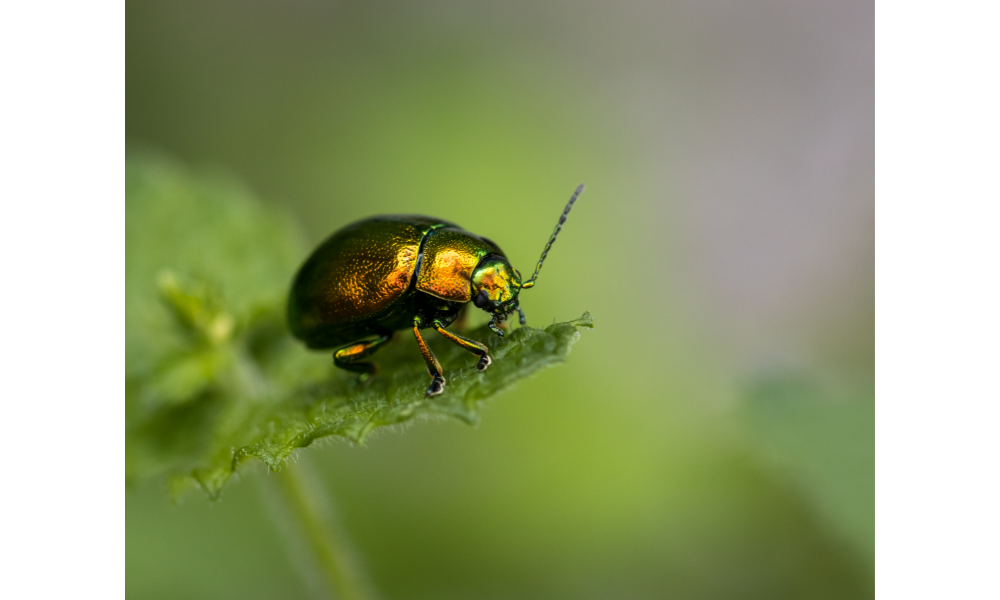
{"x": 713, "y": 437}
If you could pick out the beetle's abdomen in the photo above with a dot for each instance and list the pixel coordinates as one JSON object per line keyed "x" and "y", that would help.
{"x": 355, "y": 278}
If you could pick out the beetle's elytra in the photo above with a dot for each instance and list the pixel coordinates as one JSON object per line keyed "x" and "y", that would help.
{"x": 387, "y": 273}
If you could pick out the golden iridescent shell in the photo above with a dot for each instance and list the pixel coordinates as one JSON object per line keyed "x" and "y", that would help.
{"x": 357, "y": 282}
{"x": 356, "y": 275}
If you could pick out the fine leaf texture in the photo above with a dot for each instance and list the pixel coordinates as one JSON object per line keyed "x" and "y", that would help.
{"x": 212, "y": 377}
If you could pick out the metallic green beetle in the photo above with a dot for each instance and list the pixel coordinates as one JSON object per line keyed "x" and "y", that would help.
{"x": 383, "y": 274}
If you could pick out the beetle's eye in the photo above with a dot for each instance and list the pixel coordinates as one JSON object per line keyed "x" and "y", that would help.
{"x": 482, "y": 299}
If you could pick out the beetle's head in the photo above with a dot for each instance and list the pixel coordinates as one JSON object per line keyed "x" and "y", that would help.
{"x": 495, "y": 286}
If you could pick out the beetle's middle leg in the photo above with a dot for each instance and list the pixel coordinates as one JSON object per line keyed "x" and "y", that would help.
{"x": 348, "y": 358}
{"x": 474, "y": 347}
{"x": 433, "y": 366}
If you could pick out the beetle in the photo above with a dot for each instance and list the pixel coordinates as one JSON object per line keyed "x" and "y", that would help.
{"x": 393, "y": 272}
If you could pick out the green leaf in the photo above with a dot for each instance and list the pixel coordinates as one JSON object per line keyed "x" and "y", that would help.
{"x": 212, "y": 376}
{"x": 821, "y": 439}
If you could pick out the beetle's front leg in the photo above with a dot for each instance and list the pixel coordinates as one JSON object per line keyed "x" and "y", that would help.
{"x": 474, "y": 347}
{"x": 433, "y": 366}
{"x": 494, "y": 327}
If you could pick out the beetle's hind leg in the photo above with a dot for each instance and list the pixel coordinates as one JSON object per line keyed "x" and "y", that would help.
{"x": 474, "y": 347}
{"x": 348, "y": 358}
{"x": 433, "y": 366}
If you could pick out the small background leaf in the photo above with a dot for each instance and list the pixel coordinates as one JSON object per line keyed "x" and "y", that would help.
{"x": 820, "y": 439}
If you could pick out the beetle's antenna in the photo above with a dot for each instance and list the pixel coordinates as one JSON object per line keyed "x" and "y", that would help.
{"x": 552, "y": 240}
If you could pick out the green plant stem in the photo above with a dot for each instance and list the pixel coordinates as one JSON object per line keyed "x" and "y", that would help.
{"x": 309, "y": 510}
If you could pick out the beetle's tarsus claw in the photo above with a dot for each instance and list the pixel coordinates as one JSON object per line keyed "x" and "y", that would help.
{"x": 437, "y": 386}
{"x": 484, "y": 361}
